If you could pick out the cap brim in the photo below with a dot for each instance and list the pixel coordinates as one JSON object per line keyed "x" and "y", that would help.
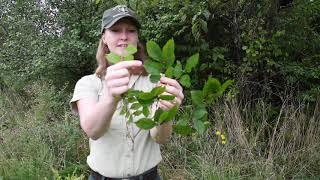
{"x": 136, "y": 22}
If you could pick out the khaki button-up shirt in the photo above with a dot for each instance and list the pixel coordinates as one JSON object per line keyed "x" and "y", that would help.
{"x": 124, "y": 150}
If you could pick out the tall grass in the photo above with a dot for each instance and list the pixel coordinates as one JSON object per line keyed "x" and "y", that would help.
{"x": 38, "y": 139}
{"x": 263, "y": 143}
{"x": 43, "y": 140}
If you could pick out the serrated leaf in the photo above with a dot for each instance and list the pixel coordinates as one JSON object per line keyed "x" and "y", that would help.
{"x": 192, "y": 62}
{"x": 177, "y": 72}
{"x": 167, "y": 97}
{"x": 113, "y": 58}
{"x": 199, "y": 113}
{"x": 145, "y": 102}
{"x": 158, "y": 90}
{"x": 197, "y": 97}
{"x": 131, "y": 49}
{"x": 146, "y": 96}
{"x": 200, "y": 127}
{"x": 157, "y": 114}
{"x": 163, "y": 117}
{"x": 145, "y": 111}
{"x": 145, "y": 123}
{"x": 168, "y": 53}
{"x": 153, "y": 67}
{"x": 211, "y": 86}
{"x": 129, "y": 58}
{"x": 154, "y": 51}
{"x": 185, "y": 80}
{"x": 155, "y": 78}
{"x": 133, "y": 92}
{"x": 169, "y": 72}
{"x": 135, "y": 106}
{"x": 184, "y": 130}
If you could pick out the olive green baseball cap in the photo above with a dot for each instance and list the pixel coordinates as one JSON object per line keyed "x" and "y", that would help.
{"x": 112, "y": 15}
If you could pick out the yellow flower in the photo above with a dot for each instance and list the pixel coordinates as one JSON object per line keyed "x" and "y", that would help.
{"x": 223, "y": 142}
{"x": 223, "y": 137}
{"x": 218, "y": 133}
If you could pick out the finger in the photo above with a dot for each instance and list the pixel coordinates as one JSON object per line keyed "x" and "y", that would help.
{"x": 125, "y": 64}
{"x": 118, "y": 90}
{"x": 167, "y": 104}
{"x": 171, "y": 82}
{"x": 174, "y": 91}
{"x": 118, "y": 82}
{"x": 115, "y": 74}
{"x": 164, "y": 108}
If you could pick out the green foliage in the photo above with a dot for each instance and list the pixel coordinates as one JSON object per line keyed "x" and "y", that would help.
{"x": 137, "y": 102}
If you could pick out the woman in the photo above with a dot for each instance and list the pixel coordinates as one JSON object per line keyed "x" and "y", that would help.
{"x": 119, "y": 149}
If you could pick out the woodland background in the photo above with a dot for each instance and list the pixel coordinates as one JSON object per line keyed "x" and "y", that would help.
{"x": 271, "y": 115}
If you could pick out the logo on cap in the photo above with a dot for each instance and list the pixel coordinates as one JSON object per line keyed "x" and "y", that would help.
{"x": 122, "y": 8}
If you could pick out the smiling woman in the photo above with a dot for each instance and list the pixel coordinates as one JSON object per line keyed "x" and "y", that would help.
{"x": 119, "y": 149}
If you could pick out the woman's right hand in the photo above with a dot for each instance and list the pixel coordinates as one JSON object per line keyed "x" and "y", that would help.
{"x": 118, "y": 76}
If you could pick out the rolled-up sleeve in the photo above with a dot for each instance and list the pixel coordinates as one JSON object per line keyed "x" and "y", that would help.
{"x": 86, "y": 87}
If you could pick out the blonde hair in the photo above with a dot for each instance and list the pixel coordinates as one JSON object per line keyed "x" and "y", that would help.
{"x": 103, "y": 63}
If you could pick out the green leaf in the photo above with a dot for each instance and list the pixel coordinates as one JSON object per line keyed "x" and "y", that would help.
{"x": 211, "y": 86}
{"x": 177, "y": 72}
{"x": 113, "y": 58}
{"x": 168, "y": 53}
{"x": 200, "y": 127}
{"x": 163, "y": 117}
{"x": 226, "y": 84}
{"x": 197, "y": 97}
{"x": 145, "y": 96}
{"x": 153, "y": 67}
{"x": 135, "y": 106}
{"x": 172, "y": 113}
{"x": 185, "y": 80}
{"x": 129, "y": 58}
{"x": 157, "y": 114}
{"x": 131, "y": 99}
{"x": 145, "y": 123}
{"x": 145, "y": 101}
{"x": 155, "y": 78}
{"x": 169, "y": 72}
{"x": 192, "y": 62}
{"x": 199, "y": 113}
{"x": 146, "y": 111}
{"x": 131, "y": 49}
{"x": 184, "y": 130}
{"x": 158, "y": 90}
{"x": 167, "y": 97}
{"x": 137, "y": 113}
{"x": 154, "y": 51}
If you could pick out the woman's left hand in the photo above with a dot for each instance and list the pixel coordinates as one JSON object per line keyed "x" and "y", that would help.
{"x": 172, "y": 88}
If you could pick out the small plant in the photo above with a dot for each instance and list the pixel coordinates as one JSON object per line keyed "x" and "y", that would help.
{"x": 162, "y": 61}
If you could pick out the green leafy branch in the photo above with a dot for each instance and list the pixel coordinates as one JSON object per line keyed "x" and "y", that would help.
{"x": 137, "y": 103}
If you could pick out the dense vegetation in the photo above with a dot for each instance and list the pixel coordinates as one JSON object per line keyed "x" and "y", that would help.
{"x": 271, "y": 116}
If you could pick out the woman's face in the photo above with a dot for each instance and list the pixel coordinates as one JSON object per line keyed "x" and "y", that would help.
{"x": 118, "y": 36}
